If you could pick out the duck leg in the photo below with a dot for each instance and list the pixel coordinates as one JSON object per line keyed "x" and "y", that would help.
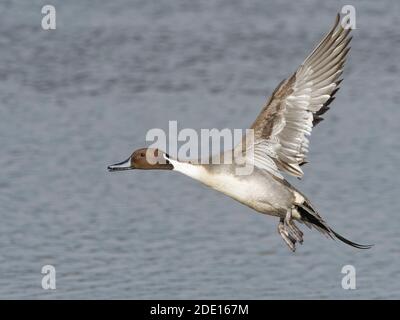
{"x": 289, "y": 232}
{"x": 283, "y": 231}
{"x": 292, "y": 229}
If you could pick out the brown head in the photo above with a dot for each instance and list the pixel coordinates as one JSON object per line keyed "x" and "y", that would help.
{"x": 145, "y": 159}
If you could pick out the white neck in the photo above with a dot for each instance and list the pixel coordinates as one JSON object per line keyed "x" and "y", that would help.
{"x": 188, "y": 169}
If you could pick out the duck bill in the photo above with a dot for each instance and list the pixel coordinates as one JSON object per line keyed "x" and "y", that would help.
{"x": 124, "y": 165}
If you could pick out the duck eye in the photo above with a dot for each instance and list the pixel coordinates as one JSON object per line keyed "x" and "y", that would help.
{"x": 142, "y": 154}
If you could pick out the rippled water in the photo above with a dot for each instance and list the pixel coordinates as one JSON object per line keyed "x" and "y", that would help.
{"x": 83, "y": 96}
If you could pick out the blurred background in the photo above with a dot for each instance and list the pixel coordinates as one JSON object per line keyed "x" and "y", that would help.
{"x": 78, "y": 98}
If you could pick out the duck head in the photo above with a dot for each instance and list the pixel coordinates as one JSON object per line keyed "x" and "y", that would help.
{"x": 145, "y": 159}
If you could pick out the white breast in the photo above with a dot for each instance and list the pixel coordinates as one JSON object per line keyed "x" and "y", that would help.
{"x": 239, "y": 189}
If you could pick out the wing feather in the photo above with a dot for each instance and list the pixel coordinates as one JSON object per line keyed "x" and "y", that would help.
{"x": 297, "y": 104}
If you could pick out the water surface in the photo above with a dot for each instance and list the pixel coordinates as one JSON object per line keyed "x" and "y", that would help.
{"x": 83, "y": 96}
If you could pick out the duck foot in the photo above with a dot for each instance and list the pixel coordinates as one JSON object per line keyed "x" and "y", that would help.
{"x": 289, "y": 232}
{"x": 292, "y": 228}
{"x": 289, "y": 240}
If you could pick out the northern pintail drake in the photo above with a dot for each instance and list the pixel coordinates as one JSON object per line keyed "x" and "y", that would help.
{"x": 279, "y": 144}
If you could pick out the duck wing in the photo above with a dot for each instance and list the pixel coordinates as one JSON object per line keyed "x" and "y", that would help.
{"x": 296, "y": 106}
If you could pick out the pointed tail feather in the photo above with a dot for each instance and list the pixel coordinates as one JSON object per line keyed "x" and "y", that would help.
{"x": 351, "y": 243}
{"x": 310, "y": 216}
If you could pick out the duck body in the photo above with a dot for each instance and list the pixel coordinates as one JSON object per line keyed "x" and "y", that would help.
{"x": 266, "y": 193}
{"x": 259, "y": 190}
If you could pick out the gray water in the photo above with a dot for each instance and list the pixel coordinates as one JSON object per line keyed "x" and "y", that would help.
{"x": 78, "y": 98}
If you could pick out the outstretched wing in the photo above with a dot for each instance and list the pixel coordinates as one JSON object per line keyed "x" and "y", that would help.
{"x": 296, "y": 105}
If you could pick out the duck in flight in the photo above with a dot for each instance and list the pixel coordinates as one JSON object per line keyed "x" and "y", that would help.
{"x": 279, "y": 144}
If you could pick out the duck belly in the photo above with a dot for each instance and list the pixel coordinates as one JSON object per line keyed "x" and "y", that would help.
{"x": 259, "y": 192}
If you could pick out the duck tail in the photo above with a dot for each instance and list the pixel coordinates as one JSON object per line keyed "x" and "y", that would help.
{"x": 311, "y": 218}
